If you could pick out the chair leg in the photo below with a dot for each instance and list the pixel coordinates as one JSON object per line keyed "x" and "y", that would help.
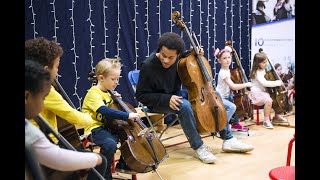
{"x": 171, "y": 124}
{"x": 257, "y": 109}
{"x": 175, "y": 120}
{"x": 252, "y": 108}
{"x": 113, "y": 166}
{"x": 289, "y": 151}
{"x": 134, "y": 177}
{"x": 151, "y": 125}
{"x": 241, "y": 120}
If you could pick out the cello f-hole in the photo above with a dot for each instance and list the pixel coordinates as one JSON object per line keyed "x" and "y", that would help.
{"x": 202, "y": 96}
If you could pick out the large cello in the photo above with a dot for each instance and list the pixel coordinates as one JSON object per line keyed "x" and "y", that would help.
{"x": 240, "y": 97}
{"x": 195, "y": 74}
{"x": 279, "y": 94}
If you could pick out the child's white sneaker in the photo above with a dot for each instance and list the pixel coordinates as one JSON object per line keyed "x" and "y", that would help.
{"x": 203, "y": 153}
{"x": 267, "y": 124}
{"x": 234, "y": 145}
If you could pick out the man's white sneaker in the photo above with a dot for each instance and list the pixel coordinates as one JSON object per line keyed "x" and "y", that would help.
{"x": 208, "y": 148}
{"x": 204, "y": 154}
{"x": 234, "y": 145}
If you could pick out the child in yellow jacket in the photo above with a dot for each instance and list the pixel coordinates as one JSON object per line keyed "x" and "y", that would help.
{"x": 48, "y": 54}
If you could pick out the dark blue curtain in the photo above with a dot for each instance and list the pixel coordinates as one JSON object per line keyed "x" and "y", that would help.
{"x": 90, "y": 30}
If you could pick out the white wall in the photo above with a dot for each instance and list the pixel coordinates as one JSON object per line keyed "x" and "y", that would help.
{"x": 277, "y": 40}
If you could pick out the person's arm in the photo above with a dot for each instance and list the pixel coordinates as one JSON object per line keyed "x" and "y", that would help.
{"x": 94, "y": 102}
{"x": 54, "y": 157}
{"x": 226, "y": 76}
{"x": 111, "y": 114}
{"x": 55, "y": 103}
{"x": 234, "y": 86}
{"x": 51, "y": 155}
{"x": 262, "y": 80}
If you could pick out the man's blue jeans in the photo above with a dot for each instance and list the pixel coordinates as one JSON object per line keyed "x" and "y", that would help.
{"x": 186, "y": 120}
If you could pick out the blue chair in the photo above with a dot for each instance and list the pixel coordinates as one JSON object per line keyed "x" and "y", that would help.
{"x": 133, "y": 77}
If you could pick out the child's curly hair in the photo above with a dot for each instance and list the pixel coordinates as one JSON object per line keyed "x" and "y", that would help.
{"x": 42, "y": 50}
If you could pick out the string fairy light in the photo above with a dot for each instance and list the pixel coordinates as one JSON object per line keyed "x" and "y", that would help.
{"x": 225, "y": 19}
{"x": 248, "y": 35}
{"x": 55, "y": 21}
{"x": 181, "y": 13}
{"x": 105, "y": 30}
{"x": 240, "y": 22}
{"x": 91, "y": 35}
{"x": 231, "y": 26}
{"x": 208, "y": 30}
{"x": 119, "y": 27}
{"x": 170, "y": 20}
{"x": 190, "y": 18}
{"x": 214, "y": 39}
{"x": 33, "y": 19}
{"x": 73, "y": 49}
{"x": 200, "y": 20}
{"x": 118, "y": 35}
{"x": 55, "y": 38}
{"x": 147, "y": 28}
{"x": 136, "y": 42}
{"x": 159, "y": 13}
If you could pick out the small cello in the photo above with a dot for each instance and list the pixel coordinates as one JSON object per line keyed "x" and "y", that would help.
{"x": 195, "y": 74}
{"x": 141, "y": 150}
{"x": 279, "y": 94}
{"x": 240, "y": 97}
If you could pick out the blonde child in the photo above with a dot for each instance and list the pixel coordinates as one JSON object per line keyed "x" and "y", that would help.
{"x": 225, "y": 85}
{"x": 259, "y": 95}
{"x": 97, "y": 102}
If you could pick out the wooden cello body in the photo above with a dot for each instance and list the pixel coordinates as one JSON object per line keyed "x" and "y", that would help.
{"x": 141, "y": 150}
{"x": 279, "y": 94}
{"x": 196, "y": 75}
{"x": 240, "y": 97}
